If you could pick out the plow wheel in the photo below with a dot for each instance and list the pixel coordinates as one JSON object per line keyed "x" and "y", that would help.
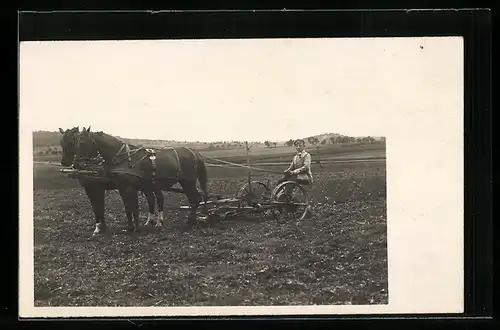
{"x": 254, "y": 194}
{"x": 293, "y": 199}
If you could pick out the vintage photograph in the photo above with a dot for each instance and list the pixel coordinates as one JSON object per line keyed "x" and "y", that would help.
{"x": 203, "y": 173}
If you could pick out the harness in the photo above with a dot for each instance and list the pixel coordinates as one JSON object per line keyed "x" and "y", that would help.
{"x": 150, "y": 154}
{"x": 125, "y": 150}
{"x": 129, "y": 155}
{"x": 178, "y": 161}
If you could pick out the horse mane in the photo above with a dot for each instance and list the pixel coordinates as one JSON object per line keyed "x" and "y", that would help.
{"x": 72, "y": 130}
{"x": 101, "y": 133}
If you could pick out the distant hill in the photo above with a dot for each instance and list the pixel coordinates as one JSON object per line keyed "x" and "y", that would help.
{"x": 328, "y": 136}
{"x": 321, "y": 137}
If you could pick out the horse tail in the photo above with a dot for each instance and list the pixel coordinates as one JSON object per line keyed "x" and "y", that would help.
{"x": 202, "y": 176}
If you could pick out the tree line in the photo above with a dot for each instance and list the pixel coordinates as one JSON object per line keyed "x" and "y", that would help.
{"x": 314, "y": 140}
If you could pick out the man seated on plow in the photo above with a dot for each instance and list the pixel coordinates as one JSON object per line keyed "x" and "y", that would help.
{"x": 300, "y": 168}
{"x": 299, "y": 171}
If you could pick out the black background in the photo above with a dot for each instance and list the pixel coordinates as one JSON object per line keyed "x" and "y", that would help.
{"x": 473, "y": 25}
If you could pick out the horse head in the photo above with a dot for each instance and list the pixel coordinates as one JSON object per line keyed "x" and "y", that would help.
{"x": 85, "y": 149}
{"x": 90, "y": 145}
{"x": 68, "y": 143}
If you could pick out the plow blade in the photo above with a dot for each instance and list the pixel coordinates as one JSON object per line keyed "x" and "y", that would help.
{"x": 74, "y": 171}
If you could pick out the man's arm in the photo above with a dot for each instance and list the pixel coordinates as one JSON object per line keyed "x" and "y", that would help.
{"x": 305, "y": 167}
{"x": 291, "y": 165}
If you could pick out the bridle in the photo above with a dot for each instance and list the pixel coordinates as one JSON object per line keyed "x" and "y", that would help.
{"x": 72, "y": 143}
{"x": 99, "y": 160}
{"x": 95, "y": 160}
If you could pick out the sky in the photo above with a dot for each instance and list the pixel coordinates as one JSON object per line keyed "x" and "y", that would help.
{"x": 221, "y": 90}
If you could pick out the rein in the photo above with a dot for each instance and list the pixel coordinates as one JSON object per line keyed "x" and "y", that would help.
{"x": 258, "y": 169}
{"x": 123, "y": 151}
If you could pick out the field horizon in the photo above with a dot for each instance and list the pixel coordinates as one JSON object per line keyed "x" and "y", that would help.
{"x": 259, "y": 153}
{"x": 50, "y": 139}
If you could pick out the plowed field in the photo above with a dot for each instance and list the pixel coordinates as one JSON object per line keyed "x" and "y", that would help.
{"x": 336, "y": 256}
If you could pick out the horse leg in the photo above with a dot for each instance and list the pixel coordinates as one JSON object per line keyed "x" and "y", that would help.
{"x": 128, "y": 212}
{"x": 202, "y": 176}
{"x": 194, "y": 197}
{"x": 160, "y": 199}
{"x": 151, "y": 206}
{"x": 134, "y": 206}
{"x": 96, "y": 197}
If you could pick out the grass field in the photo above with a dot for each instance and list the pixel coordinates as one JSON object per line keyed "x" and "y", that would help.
{"x": 337, "y": 256}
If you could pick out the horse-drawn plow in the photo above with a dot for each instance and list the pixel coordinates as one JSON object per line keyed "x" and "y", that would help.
{"x": 287, "y": 201}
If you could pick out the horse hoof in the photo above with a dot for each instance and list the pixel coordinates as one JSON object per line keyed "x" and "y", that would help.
{"x": 95, "y": 234}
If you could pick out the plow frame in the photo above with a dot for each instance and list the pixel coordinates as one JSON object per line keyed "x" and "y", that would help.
{"x": 277, "y": 203}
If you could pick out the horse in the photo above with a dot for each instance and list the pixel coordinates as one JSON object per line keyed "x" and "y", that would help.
{"x": 141, "y": 169}
{"x": 95, "y": 190}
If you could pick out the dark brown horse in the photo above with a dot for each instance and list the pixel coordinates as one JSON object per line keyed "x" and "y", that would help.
{"x": 95, "y": 190}
{"x": 134, "y": 169}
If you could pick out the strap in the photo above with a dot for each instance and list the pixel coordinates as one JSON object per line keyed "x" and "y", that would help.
{"x": 299, "y": 158}
{"x": 194, "y": 156}
{"x": 117, "y": 154}
{"x": 152, "y": 158}
{"x": 178, "y": 162}
{"x": 128, "y": 155}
